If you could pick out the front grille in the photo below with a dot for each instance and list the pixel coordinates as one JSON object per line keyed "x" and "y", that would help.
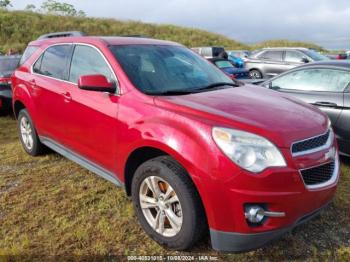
{"x": 310, "y": 144}
{"x": 318, "y": 175}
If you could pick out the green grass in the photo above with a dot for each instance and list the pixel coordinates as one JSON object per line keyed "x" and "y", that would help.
{"x": 49, "y": 206}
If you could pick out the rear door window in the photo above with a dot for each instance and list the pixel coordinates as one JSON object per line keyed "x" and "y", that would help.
{"x": 54, "y": 62}
{"x": 271, "y": 55}
{"x": 325, "y": 80}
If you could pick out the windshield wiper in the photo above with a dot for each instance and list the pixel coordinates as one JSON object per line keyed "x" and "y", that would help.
{"x": 192, "y": 90}
{"x": 215, "y": 85}
{"x": 171, "y": 92}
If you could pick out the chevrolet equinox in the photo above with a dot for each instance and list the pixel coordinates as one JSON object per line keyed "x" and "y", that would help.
{"x": 196, "y": 151}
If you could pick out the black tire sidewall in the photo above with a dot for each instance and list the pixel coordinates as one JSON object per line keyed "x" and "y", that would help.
{"x": 156, "y": 168}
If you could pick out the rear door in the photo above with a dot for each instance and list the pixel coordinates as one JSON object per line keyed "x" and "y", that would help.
{"x": 93, "y": 115}
{"x": 48, "y": 83}
{"x": 321, "y": 87}
{"x": 272, "y": 62}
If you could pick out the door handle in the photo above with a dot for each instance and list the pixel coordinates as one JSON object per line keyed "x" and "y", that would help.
{"x": 67, "y": 96}
{"x": 32, "y": 83}
{"x": 325, "y": 104}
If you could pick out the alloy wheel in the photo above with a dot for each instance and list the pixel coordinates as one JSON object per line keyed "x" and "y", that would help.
{"x": 161, "y": 206}
{"x": 27, "y": 133}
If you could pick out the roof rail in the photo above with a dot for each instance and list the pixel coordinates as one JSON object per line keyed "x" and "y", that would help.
{"x": 140, "y": 36}
{"x": 62, "y": 34}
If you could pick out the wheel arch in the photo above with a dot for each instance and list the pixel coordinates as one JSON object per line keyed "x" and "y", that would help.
{"x": 135, "y": 159}
{"x": 17, "y": 107}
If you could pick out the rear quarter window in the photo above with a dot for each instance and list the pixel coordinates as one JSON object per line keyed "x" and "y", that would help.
{"x": 30, "y": 50}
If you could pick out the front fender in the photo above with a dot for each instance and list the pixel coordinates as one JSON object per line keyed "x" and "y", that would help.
{"x": 185, "y": 139}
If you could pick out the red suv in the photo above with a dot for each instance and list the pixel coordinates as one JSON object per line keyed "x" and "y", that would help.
{"x": 195, "y": 150}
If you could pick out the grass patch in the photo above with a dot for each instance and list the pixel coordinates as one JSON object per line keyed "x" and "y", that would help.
{"x": 50, "y": 206}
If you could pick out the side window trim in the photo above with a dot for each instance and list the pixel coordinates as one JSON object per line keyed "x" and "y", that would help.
{"x": 69, "y": 61}
{"x": 116, "y": 81}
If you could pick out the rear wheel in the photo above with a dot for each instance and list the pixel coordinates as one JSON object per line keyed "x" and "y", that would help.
{"x": 255, "y": 74}
{"x": 167, "y": 204}
{"x": 28, "y": 135}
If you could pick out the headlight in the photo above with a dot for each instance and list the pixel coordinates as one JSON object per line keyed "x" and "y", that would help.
{"x": 249, "y": 151}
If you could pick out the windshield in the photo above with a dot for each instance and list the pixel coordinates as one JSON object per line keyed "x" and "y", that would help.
{"x": 315, "y": 55}
{"x": 160, "y": 69}
{"x": 223, "y": 64}
{"x": 8, "y": 64}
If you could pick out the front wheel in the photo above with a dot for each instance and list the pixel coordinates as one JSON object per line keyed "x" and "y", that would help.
{"x": 167, "y": 204}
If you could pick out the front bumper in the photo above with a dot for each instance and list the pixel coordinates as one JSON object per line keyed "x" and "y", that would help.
{"x": 276, "y": 189}
{"x": 239, "y": 242}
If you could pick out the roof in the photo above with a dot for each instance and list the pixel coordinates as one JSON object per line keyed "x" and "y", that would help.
{"x": 285, "y": 48}
{"x": 329, "y": 63}
{"x": 108, "y": 40}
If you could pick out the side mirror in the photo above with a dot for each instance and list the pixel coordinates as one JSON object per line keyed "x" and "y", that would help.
{"x": 305, "y": 60}
{"x": 96, "y": 83}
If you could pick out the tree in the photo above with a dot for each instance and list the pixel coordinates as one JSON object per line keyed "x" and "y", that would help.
{"x": 58, "y": 8}
{"x": 5, "y": 3}
{"x": 30, "y": 7}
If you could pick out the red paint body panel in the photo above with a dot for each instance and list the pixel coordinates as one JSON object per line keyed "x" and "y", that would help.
{"x": 106, "y": 129}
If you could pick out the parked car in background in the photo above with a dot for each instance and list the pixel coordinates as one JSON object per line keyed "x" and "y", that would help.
{"x": 243, "y": 54}
{"x": 228, "y": 68}
{"x": 341, "y": 56}
{"x": 209, "y": 51}
{"x": 325, "y": 85}
{"x": 270, "y": 62}
{"x": 196, "y": 151}
{"x": 331, "y": 56}
{"x": 8, "y": 64}
{"x": 237, "y": 61}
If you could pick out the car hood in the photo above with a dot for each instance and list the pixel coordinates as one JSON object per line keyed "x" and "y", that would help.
{"x": 276, "y": 116}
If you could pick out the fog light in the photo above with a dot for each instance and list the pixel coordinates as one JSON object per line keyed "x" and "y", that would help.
{"x": 255, "y": 214}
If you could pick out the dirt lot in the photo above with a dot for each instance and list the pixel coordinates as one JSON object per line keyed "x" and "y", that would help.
{"x": 50, "y": 206}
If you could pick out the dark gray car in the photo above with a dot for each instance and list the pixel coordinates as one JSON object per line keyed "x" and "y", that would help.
{"x": 325, "y": 85}
{"x": 270, "y": 62}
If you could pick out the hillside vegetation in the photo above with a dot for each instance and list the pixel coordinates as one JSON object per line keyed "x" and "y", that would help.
{"x": 286, "y": 43}
{"x": 17, "y": 28}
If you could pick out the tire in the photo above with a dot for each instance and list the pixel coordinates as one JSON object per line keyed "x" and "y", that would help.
{"x": 28, "y": 135}
{"x": 255, "y": 74}
{"x": 189, "y": 209}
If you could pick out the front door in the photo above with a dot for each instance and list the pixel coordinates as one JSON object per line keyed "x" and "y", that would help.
{"x": 321, "y": 87}
{"x": 93, "y": 115}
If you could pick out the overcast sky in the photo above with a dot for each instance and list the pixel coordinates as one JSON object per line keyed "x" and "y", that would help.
{"x": 325, "y": 22}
